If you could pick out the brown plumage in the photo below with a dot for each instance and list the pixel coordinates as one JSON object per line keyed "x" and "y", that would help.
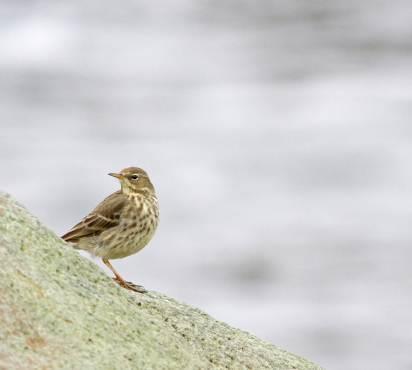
{"x": 122, "y": 224}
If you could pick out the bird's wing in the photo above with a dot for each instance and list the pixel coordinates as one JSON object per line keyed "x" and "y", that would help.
{"x": 103, "y": 217}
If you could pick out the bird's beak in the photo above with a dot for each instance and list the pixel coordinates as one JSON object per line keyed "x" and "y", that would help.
{"x": 117, "y": 175}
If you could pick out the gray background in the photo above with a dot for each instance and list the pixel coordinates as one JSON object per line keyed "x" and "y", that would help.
{"x": 278, "y": 136}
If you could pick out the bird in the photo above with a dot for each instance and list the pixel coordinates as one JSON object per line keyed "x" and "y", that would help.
{"x": 122, "y": 224}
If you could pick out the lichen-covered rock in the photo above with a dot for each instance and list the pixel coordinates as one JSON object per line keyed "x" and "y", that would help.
{"x": 60, "y": 311}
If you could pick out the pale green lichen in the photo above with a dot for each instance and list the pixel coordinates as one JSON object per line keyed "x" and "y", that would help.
{"x": 60, "y": 311}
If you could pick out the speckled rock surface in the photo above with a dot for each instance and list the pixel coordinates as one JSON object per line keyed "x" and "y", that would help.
{"x": 60, "y": 311}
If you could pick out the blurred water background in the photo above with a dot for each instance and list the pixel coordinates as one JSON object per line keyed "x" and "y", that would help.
{"x": 278, "y": 135}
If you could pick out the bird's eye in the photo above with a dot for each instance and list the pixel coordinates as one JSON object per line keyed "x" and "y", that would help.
{"x": 134, "y": 177}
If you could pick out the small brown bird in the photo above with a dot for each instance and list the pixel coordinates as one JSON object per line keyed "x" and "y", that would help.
{"x": 122, "y": 224}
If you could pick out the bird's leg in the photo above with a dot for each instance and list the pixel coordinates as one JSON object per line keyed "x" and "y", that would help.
{"x": 109, "y": 265}
{"x": 123, "y": 283}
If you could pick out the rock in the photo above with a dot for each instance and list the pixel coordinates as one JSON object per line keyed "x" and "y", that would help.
{"x": 58, "y": 310}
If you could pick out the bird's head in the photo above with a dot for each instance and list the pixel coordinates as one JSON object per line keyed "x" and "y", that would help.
{"x": 134, "y": 180}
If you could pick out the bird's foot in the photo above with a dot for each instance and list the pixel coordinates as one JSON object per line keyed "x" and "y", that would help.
{"x": 129, "y": 285}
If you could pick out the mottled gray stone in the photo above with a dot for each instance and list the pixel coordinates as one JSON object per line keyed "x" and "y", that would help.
{"x": 58, "y": 310}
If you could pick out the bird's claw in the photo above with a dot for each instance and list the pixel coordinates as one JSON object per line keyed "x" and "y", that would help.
{"x": 131, "y": 286}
